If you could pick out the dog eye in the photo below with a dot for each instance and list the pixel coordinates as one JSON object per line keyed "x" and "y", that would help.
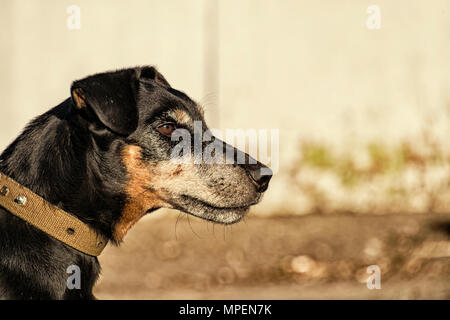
{"x": 167, "y": 129}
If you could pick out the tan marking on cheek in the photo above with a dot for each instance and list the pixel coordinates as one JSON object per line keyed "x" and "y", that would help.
{"x": 140, "y": 198}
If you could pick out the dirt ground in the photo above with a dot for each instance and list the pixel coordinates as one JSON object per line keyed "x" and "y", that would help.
{"x": 169, "y": 256}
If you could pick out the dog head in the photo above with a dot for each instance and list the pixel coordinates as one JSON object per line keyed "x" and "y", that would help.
{"x": 159, "y": 138}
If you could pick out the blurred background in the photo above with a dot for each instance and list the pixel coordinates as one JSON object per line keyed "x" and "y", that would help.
{"x": 360, "y": 96}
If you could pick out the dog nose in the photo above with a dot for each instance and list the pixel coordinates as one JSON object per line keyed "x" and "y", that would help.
{"x": 261, "y": 175}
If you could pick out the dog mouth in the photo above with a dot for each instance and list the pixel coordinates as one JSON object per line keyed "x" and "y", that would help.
{"x": 207, "y": 211}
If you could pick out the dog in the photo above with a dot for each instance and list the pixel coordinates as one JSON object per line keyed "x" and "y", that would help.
{"x": 105, "y": 157}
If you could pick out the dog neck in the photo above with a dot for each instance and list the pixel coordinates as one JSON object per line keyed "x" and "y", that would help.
{"x": 51, "y": 158}
{"x": 48, "y": 218}
{"x": 44, "y": 159}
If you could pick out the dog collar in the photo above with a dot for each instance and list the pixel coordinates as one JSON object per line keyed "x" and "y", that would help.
{"x": 43, "y": 215}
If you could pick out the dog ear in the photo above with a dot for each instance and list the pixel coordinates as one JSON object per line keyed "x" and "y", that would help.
{"x": 112, "y": 97}
{"x": 150, "y": 73}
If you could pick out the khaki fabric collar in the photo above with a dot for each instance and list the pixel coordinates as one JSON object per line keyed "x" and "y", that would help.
{"x": 57, "y": 223}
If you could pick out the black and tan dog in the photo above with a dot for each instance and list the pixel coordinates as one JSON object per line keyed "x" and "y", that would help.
{"x": 104, "y": 156}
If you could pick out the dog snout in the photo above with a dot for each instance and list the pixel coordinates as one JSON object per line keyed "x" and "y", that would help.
{"x": 258, "y": 173}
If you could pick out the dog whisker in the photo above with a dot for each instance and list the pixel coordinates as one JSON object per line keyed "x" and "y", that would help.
{"x": 191, "y": 227}
{"x": 176, "y": 223}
